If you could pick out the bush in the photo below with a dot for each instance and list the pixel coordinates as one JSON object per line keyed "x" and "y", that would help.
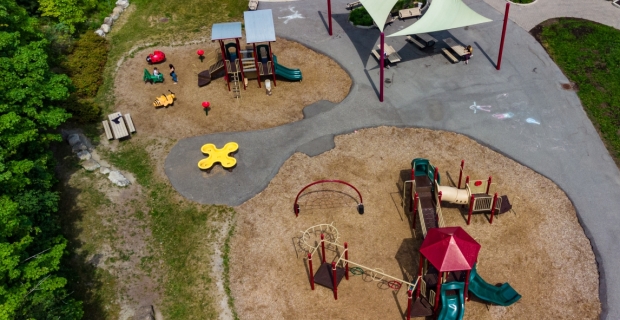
{"x": 360, "y": 17}
{"x": 85, "y": 68}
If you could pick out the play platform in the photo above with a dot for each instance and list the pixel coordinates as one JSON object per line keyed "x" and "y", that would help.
{"x": 223, "y": 156}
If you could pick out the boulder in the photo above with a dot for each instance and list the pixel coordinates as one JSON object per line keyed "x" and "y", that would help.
{"x": 108, "y": 21}
{"x": 122, "y": 3}
{"x": 118, "y": 179}
{"x": 117, "y": 10}
{"x": 146, "y": 313}
{"x": 74, "y": 139}
{"x": 104, "y": 170}
{"x": 90, "y": 165}
{"x": 100, "y": 33}
{"x": 84, "y": 155}
{"x": 114, "y": 16}
{"x": 105, "y": 28}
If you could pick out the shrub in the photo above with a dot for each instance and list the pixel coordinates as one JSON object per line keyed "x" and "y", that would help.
{"x": 85, "y": 68}
{"x": 360, "y": 17}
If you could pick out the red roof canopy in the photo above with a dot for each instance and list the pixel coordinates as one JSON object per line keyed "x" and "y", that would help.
{"x": 450, "y": 249}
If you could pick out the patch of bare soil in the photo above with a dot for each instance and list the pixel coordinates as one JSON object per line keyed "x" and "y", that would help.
{"x": 323, "y": 79}
{"x": 539, "y": 248}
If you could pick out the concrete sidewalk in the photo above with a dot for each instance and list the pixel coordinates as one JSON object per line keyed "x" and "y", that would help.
{"x": 531, "y": 118}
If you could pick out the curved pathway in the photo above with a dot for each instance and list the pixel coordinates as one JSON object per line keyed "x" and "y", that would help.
{"x": 530, "y": 15}
{"x": 557, "y": 141}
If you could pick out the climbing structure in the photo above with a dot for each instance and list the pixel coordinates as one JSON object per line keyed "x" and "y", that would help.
{"x": 230, "y": 54}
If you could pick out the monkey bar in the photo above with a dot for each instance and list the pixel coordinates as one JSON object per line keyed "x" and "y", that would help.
{"x": 360, "y": 206}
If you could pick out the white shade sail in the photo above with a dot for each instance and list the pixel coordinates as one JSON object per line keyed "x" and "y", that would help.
{"x": 378, "y": 10}
{"x": 442, "y": 15}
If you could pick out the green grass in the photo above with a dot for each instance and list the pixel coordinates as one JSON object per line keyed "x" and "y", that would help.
{"x": 589, "y": 55}
{"x": 180, "y": 229}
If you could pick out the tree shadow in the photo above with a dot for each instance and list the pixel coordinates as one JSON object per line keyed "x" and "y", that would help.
{"x": 85, "y": 281}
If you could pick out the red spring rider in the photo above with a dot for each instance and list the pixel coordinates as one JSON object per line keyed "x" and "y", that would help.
{"x": 156, "y": 57}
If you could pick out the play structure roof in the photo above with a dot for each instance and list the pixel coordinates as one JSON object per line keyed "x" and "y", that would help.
{"x": 443, "y": 15}
{"x": 228, "y": 30}
{"x": 259, "y": 26}
{"x": 450, "y": 249}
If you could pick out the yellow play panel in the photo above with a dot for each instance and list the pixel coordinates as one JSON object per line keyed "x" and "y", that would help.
{"x": 218, "y": 155}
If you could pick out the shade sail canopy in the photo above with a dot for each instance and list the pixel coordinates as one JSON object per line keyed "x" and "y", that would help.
{"x": 378, "y": 10}
{"x": 443, "y": 15}
{"x": 450, "y": 249}
{"x": 228, "y": 30}
{"x": 259, "y": 26}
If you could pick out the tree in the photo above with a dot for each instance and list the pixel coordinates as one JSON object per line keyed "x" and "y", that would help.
{"x": 30, "y": 243}
{"x": 68, "y": 12}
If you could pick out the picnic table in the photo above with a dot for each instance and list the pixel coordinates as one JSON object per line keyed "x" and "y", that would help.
{"x": 409, "y": 13}
{"x": 118, "y": 125}
{"x": 392, "y": 55}
{"x": 457, "y": 48}
{"x": 427, "y": 38}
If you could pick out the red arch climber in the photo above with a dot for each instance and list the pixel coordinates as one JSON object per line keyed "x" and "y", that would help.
{"x": 360, "y": 206}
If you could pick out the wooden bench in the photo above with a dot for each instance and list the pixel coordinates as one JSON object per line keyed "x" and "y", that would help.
{"x": 449, "y": 55}
{"x": 354, "y": 4}
{"x": 108, "y": 131}
{"x": 416, "y": 42}
{"x": 130, "y": 125}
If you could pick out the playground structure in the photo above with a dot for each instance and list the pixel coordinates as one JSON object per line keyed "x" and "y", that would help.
{"x": 426, "y": 194}
{"x": 360, "y": 205}
{"x": 164, "y": 100}
{"x": 156, "y": 57}
{"x": 451, "y": 252}
{"x": 216, "y": 65}
{"x": 256, "y": 61}
{"x": 215, "y": 155}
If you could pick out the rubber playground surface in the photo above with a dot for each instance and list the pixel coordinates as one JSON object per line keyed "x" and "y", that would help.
{"x": 521, "y": 112}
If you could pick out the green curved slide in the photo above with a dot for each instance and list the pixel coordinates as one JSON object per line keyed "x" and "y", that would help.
{"x": 503, "y": 296}
{"x": 452, "y": 307}
{"x": 286, "y": 73}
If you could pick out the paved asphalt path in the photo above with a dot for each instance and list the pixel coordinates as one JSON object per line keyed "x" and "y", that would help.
{"x": 558, "y": 140}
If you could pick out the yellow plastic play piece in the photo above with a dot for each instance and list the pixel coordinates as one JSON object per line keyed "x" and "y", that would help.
{"x": 218, "y": 155}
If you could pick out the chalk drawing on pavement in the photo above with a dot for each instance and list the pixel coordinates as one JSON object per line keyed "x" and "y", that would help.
{"x": 481, "y": 108}
{"x": 295, "y": 15}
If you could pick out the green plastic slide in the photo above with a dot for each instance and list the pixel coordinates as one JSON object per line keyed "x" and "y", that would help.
{"x": 286, "y": 73}
{"x": 452, "y": 307}
{"x": 503, "y": 296}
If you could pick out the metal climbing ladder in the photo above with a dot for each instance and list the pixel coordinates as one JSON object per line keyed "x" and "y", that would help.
{"x": 235, "y": 87}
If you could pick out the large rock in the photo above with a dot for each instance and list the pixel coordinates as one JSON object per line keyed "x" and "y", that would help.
{"x": 118, "y": 179}
{"x": 90, "y": 165}
{"x": 117, "y": 10}
{"x": 145, "y": 313}
{"x": 105, "y": 28}
{"x": 100, "y": 33}
{"x": 108, "y": 21}
{"x": 123, "y": 3}
{"x": 114, "y": 16}
{"x": 74, "y": 139}
{"x": 84, "y": 155}
{"x": 104, "y": 170}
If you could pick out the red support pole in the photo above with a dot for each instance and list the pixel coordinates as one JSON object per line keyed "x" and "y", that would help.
{"x": 335, "y": 281}
{"x": 501, "y": 45}
{"x": 471, "y": 208}
{"x": 411, "y": 191}
{"x": 256, "y": 64}
{"x": 467, "y": 180}
{"x": 436, "y": 173}
{"x": 493, "y": 208}
{"x": 439, "y": 196}
{"x": 311, "y": 271}
{"x": 461, "y": 173}
{"x": 417, "y": 293}
{"x": 329, "y": 15}
{"x": 224, "y": 61}
{"x": 439, "y": 278}
{"x": 409, "y": 304}
{"x": 415, "y": 210}
{"x": 381, "y": 65}
{"x": 239, "y": 57}
{"x": 323, "y": 246}
{"x": 489, "y": 184}
{"x": 273, "y": 67}
{"x": 466, "y": 291}
{"x": 346, "y": 262}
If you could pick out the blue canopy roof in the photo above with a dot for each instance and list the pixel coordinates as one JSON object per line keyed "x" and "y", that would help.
{"x": 259, "y": 26}
{"x": 228, "y": 30}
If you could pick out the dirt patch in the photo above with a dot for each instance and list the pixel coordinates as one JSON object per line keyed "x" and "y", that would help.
{"x": 323, "y": 79}
{"x": 540, "y": 248}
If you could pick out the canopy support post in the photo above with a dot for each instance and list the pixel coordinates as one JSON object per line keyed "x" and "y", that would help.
{"x": 329, "y": 15}
{"x": 501, "y": 45}
{"x": 382, "y": 62}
